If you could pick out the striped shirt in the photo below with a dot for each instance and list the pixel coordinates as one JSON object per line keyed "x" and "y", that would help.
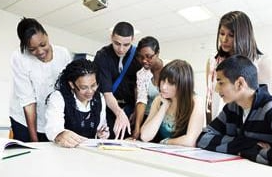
{"x": 228, "y": 134}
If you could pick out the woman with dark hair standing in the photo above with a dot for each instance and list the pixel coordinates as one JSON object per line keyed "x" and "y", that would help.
{"x": 234, "y": 36}
{"x": 147, "y": 52}
{"x": 177, "y": 114}
{"x": 35, "y": 69}
{"x": 76, "y": 111}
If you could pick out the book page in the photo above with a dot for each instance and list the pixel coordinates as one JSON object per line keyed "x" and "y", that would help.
{"x": 208, "y": 156}
{"x": 95, "y": 142}
{"x": 171, "y": 148}
{"x": 193, "y": 153}
{"x": 105, "y": 144}
{"x": 16, "y": 145}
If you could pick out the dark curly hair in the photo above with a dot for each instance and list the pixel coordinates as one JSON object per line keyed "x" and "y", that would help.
{"x": 72, "y": 72}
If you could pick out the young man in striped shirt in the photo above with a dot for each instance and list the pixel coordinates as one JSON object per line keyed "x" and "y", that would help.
{"x": 244, "y": 126}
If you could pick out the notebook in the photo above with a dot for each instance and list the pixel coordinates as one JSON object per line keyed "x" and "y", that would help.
{"x": 12, "y": 148}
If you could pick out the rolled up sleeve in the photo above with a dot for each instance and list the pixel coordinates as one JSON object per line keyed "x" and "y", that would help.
{"x": 23, "y": 88}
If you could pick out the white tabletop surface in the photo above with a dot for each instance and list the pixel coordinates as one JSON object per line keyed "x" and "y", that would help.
{"x": 51, "y": 160}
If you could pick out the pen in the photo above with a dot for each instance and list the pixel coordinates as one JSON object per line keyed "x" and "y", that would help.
{"x": 18, "y": 154}
{"x": 104, "y": 129}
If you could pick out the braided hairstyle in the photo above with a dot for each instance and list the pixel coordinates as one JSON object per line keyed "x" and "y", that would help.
{"x": 72, "y": 72}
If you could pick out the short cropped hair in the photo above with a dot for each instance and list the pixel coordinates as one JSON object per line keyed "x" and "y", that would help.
{"x": 123, "y": 29}
{"x": 239, "y": 66}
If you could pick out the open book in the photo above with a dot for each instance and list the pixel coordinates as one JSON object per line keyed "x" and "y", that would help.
{"x": 192, "y": 153}
{"x": 102, "y": 144}
{"x": 181, "y": 151}
{"x": 11, "y": 148}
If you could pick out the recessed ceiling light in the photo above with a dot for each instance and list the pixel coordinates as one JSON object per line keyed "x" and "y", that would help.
{"x": 195, "y": 13}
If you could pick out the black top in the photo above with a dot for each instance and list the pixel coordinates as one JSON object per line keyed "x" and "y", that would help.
{"x": 82, "y": 123}
{"x": 107, "y": 62}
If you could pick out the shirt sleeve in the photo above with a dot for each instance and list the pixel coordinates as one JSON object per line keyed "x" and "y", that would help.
{"x": 142, "y": 86}
{"x": 105, "y": 76}
{"x": 263, "y": 64}
{"x": 54, "y": 115}
{"x": 22, "y": 85}
{"x": 67, "y": 56}
{"x": 103, "y": 120}
{"x": 221, "y": 136}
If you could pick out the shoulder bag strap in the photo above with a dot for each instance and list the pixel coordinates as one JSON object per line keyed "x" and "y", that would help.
{"x": 120, "y": 78}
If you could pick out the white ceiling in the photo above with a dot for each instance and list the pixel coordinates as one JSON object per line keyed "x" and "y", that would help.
{"x": 158, "y": 18}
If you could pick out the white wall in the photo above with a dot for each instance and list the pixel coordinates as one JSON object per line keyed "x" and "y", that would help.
{"x": 196, "y": 52}
{"x": 9, "y": 43}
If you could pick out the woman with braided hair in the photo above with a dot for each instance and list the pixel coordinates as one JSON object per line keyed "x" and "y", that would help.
{"x": 75, "y": 110}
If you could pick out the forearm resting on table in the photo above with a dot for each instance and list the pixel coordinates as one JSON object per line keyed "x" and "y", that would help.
{"x": 184, "y": 140}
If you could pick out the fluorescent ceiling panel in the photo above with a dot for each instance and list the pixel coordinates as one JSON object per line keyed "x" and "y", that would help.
{"x": 195, "y": 13}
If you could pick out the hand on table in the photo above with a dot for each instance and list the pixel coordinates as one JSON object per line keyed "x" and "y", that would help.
{"x": 69, "y": 139}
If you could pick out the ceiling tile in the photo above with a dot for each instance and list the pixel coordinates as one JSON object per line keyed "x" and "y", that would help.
{"x": 37, "y": 8}
{"x": 6, "y": 3}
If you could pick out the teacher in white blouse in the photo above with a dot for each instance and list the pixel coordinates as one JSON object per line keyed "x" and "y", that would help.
{"x": 35, "y": 68}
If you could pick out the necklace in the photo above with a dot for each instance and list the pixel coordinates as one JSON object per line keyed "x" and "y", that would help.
{"x": 84, "y": 119}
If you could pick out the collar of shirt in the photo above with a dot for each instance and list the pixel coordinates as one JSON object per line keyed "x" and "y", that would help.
{"x": 120, "y": 65}
{"x": 81, "y": 106}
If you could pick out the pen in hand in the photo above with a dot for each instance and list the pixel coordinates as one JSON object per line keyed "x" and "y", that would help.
{"x": 103, "y": 132}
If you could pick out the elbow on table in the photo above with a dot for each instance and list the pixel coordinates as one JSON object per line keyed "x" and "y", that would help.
{"x": 190, "y": 144}
{"x": 145, "y": 138}
{"x": 184, "y": 140}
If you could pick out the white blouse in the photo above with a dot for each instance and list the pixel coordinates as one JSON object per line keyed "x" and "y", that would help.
{"x": 143, "y": 78}
{"x": 33, "y": 80}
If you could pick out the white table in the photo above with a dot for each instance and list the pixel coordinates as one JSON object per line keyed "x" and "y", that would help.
{"x": 51, "y": 160}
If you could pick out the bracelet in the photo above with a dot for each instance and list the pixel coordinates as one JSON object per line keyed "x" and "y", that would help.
{"x": 164, "y": 141}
